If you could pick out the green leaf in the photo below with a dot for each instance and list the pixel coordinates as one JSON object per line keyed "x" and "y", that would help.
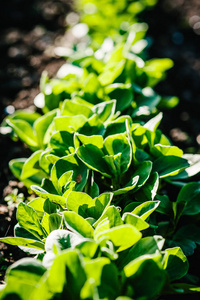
{"x": 42, "y": 127}
{"x": 78, "y": 224}
{"x": 145, "y": 274}
{"x": 146, "y": 245}
{"x": 175, "y": 263}
{"x": 69, "y": 124}
{"x": 16, "y": 166}
{"x": 143, "y": 171}
{"x": 148, "y": 191}
{"x": 193, "y": 169}
{"x": 95, "y": 140}
{"x": 169, "y": 165}
{"x": 159, "y": 150}
{"x": 190, "y": 194}
{"x": 119, "y": 144}
{"x": 56, "y": 199}
{"x": 69, "y": 163}
{"x": 92, "y": 156}
{"x": 122, "y": 93}
{"x": 37, "y": 204}
{"x": 123, "y": 236}
{"x": 135, "y": 221}
{"x": 28, "y": 218}
{"x": 85, "y": 206}
{"x": 61, "y": 140}
{"x": 105, "y": 110}
{"x": 65, "y": 277}
{"x": 24, "y": 242}
{"x": 71, "y": 108}
{"x": 153, "y": 123}
{"x": 128, "y": 187}
{"x": 111, "y": 72}
{"x": 144, "y": 210}
{"x": 31, "y": 166}
{"x": 25, "y": 132}
{"x": 111, "y": 214}
{"x": 105, "y": 277}
{"x": 22, "y": 278}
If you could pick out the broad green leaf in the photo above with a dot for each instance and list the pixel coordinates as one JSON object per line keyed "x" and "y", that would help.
{"x": 69, "y": 163}
{"x": 92, "y": 156}
{"x": 175, "y": 263}
{"x": 135, "y": 220}
{"x": 56, "y": 199}
{"x": 24, "y": 242}
{"x": 105, "y": 277}
{"x": 88, "y": 248}
{"x": 146, "y": 245}
{"x": 143, "y": 171}
{"x": 55, "y": 221}
{"x": 145, "y": 209}
{"x": 84, "y": 205}
{"x": 95, "y": 140}
{"x": 190, "y": 194}
{"x": 128, "y": 187}
{"x": 62, "y": 140}
{"x": 42, "y": 127}
{"x": 22, "y": 278}
{"x": 105, "y": 110}
{"x": 65, "y": 277}
{"x": 122, "y": 93}
{"x": 146, "y": 275}
{"x": 148, "y": 191}
{"x": 37, "y": 204}
{"x": 69, "y": 124}
{"x": 153, "y": 123}
{"x": 24, "y": 115}
{"x": 116, "y": 144}
{"x": 123, "y": 236}
{"x": 111, "y": 214}
{"x": 78, "y": 224}
{"x": 159, "y": 150}
{"x": 90, "y": 87}
{"x": 16, "y": 166}
{"x": 193, "y": 169}
{"x": 28, "y": 218}
{"x": 112, "y": 71}
{"x": 31, "y": 166}
{"x": 25, "y": 132}
{"x": 71, "y": 108}
{"x": 169, "y": 165}
{"x": 117, "y": 126}
{"x": 93, "y": 126}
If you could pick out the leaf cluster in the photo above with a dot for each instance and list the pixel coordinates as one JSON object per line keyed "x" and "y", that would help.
{"x": 103, "y": 225}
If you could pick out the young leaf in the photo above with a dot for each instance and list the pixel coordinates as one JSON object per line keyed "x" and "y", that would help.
{"x": 78, "y": 224}
{"x": 190, "y": 194}
{"x": 25, "y": 132}
{"x": 123, "y": 236}
{"x": 175, "y": 263}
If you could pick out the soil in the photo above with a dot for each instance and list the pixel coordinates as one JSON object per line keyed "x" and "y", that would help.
{"x": 28, "y": 31}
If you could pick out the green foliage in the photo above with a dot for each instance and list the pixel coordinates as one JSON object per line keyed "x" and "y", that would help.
{"x": 103, "y": 225}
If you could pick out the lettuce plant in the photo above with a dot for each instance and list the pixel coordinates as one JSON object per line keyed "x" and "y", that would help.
{"x": 102, "y": 224}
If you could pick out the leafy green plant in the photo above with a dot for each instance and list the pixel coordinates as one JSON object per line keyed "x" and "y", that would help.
{"x": 103, "y": 225}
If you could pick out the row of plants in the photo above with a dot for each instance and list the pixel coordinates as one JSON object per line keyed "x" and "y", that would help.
{"x": 102, "y": 224}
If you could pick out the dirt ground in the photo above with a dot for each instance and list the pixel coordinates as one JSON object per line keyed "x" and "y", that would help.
{"x": 29, "y": 28}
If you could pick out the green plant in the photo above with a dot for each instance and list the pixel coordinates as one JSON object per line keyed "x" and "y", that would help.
{"x": 103, "y": 225}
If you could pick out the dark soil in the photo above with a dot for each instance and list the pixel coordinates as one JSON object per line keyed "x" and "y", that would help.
{"x": 28, "y": 31}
